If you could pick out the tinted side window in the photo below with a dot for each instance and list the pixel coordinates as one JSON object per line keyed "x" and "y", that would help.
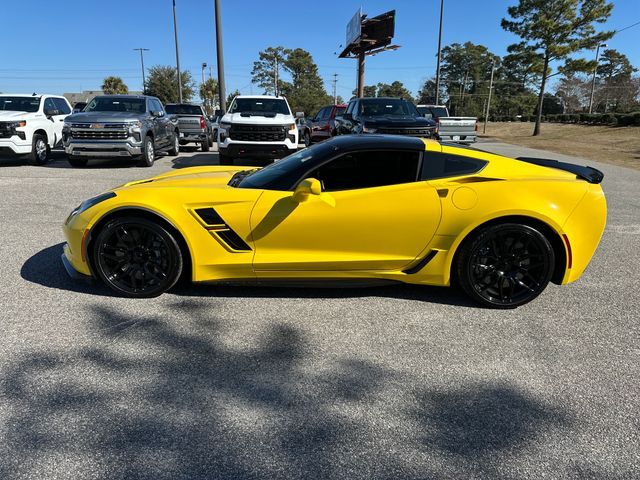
{"x": 49, "y": 105}
{"x": 62, "y": 106}
{"x": 350, "y": 107}
{"x": 442, "y": 165}
{"x": 326, "y": 113}
{"x": 157, "y": 106}
{"x": 368, "y": 169}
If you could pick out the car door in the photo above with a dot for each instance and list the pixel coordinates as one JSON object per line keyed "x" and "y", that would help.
{"x": 373, "y": 214}
{"x": 57, "y": 119}
{"x": 159, "y": 119}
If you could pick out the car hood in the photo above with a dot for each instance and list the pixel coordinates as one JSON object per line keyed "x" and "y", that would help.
{"x": 13, "y": 115}
{"x": 93, "y": 117}
{"x": 278, "y": 119}
{"x": 398, "y": 121}
{"x": 195, "y": 177}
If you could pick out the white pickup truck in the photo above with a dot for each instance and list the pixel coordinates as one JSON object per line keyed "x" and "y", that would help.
{"x": 450, "y": 129}
{"x": 32, "y": 125}
{"x": 258, "y": 127}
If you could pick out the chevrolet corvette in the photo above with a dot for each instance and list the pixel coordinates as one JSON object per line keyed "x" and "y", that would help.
{"x": 358, "y": 209}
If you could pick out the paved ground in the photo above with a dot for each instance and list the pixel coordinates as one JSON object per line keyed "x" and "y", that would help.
{"x": 401, "y": 382}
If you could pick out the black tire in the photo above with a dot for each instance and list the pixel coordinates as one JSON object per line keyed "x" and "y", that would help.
{"x": 39, "y": 150}
{"x": 148, "y": 153}
{"x": 212, "y": 138}
{"x": 307, "y": 139}
{"x": 505, "y": 265}
{"x": 205, "y": 146}
{"x": 225, "y": 159}
{"x": 175, "y": 150}
{"x": 136, "y": 257}
{"x": 77, "y": 162}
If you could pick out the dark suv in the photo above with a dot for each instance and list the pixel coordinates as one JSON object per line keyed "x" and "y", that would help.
{"x": 123, "y": 126}
{"x": 384, "y": 115}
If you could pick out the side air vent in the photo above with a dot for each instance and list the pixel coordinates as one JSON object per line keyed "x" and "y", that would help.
{"x": 209, "y": 216}
{"x": 232, "y": 239}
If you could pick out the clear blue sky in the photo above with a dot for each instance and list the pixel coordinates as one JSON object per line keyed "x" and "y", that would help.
{"x": 62, "y": 46}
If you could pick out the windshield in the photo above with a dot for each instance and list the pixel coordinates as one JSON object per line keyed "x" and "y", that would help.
{"x": 116, "y": 104}
{"x": 283, "y": 174}
{"x": 377, "y": 107}
{"x": 340, "y": 110}
{"x": 20, "y": 104}
{"x": 183, "y": 109}
{"x": 259, "y": 106}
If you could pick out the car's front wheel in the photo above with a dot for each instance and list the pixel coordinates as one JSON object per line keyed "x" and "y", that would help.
{"x": 307, "y": 139}
{"x": 39, "y": 150}
{"x": 148, "y": 153}
{"x": 137, "y": 257}
{"x": 505, "y": 265}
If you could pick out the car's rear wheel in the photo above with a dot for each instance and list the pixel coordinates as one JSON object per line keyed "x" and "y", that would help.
{"x": 175, "y": 150}
{"x": 137, "y": 257}
{"x": 148, "y": 153}
{"x": 505, "y": 265}
{"x": 39, "y": 150}
{"x": 205, "y": 145}
{"x": 77, "y": 162}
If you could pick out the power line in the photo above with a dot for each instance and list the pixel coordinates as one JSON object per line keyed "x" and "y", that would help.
{"x": 628, "y": 27}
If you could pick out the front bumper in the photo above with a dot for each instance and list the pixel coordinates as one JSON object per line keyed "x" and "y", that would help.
{"x": 71, "y": 271}
{"x": 15, "y": 145}
{"x": 103, "y": 149}
{"x": 257, "y": 150}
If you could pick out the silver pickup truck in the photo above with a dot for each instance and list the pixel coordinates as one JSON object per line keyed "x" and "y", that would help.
{"x": 450, "y": 129}
{"x": 195, "y": 126}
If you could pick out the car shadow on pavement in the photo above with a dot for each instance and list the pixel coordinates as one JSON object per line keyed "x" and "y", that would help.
{"x": 185, "y": 396}
{"x": 196, "y": 160}
{"x": 45, "y": 268}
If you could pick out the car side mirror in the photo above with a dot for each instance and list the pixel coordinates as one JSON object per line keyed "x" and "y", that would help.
{"x": 52, "y": 113}
{"x": 155, "y": 113}
{"x": 308, "y": 186}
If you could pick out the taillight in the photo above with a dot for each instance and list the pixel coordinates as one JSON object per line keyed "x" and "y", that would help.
{"x": 202, "y": 124}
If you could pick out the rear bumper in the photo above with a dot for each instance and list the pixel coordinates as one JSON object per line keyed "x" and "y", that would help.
{"x": 103, "y": 149}
{"x": 189, "y": 137}
{"x": 471, "y": 138}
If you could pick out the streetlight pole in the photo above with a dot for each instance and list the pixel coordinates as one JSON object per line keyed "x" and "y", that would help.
{"x": 204, "y": 99}
{"x": 593, "y": 80}
{"x": 144, "y": 83}
{"x": 486, "y": 113}
{"x": 439, "y": 54}
{"x": 220, "y": 57}
{"x": 175, "y": 32}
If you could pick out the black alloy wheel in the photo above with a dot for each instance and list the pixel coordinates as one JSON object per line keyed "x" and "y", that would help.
{"x": 137, "y": 257}
{"x": 505, "y": 266}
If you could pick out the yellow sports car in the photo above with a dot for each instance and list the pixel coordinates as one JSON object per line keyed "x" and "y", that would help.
{"x": 355, "y": 208}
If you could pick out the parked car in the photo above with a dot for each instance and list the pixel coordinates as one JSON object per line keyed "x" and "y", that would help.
{"x": 323, "y": 125}
{"x": 123, "y": 126}
{"x": 357, "y": 207}
{"x": 194, "y": 125}
{"x": 32, "y": 125}
{"x": 304, "y": 132}
{"x": 452, "y": 129}
{"x": 259, "y": 127}
{"x": 215, "y": 124}
{"x": 394, "y": 116}
{"x": 79, "y": 106}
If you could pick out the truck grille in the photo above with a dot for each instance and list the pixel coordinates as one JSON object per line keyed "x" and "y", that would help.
{"x": 5, "y": 130}
{"x": 415, "y": 132}
{"x": 99, "y": 135}
{"x": 258, "y": 133}
{"x": 108, "y": 126}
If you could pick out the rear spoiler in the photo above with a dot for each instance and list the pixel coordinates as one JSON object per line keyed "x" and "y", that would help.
{"x": 590, "y": 174}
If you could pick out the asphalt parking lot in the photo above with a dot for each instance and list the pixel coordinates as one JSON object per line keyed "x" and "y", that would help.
{"x": 223, "y": 382}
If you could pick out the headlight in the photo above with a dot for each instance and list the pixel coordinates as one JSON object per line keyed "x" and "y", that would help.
{"x": 91, "y": 202}
{"x": 369, "y": 130}
{"x": 292, "y": 127}
{"x": 134, "y": 124}
{"x": 18, "y": 124}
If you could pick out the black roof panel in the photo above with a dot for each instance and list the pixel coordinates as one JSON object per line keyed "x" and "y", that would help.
{"x": 375, "y": 141}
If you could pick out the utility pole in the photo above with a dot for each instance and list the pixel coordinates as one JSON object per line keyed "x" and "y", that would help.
{"x": 275, "y": 75}
{"x": 202, "y": 90}
{"x": 335, "y": 85}
{"x": 204, "y": 65}
{"x": 175, "y": 32}
{"x": 593, "y": 80}
{"x": 144, "y": 83}
{"x": 361, "y": 56}
{"x": 486, "y": 113}
{"x": 220, "y": 57}
{"x": 439, "y": 54}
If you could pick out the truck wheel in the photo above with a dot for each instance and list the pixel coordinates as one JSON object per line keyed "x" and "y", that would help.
{"x": 77, "y": 162}
{"x": 307, "y": 139}
{"x": 205, "y": 146}
{"x": 176, "y": 145}
{"x": 213, "y": 135}
{"x": 39, "y": 150}
{"x": 148, "y": 153}
{"x": 225, "y": 159}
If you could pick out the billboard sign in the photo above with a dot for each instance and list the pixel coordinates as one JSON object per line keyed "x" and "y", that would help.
{"x": 354, "y": 28}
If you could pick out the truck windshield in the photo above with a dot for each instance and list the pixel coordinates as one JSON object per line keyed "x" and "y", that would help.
{"x": 116, "y": 104}
{"x": 20, "y": 104}
{"x": 183, "y": 109}
{"x": 260, "y": 106}
{"x": 435, "y": 112}
{"x": 378, "y": 107}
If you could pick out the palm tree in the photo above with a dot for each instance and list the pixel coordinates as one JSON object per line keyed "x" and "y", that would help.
{"x": 114, "y": 85}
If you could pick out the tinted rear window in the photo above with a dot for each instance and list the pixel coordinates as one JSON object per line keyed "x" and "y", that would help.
{"x": 183, "y": 109}
{"x": 442, "y": 165}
